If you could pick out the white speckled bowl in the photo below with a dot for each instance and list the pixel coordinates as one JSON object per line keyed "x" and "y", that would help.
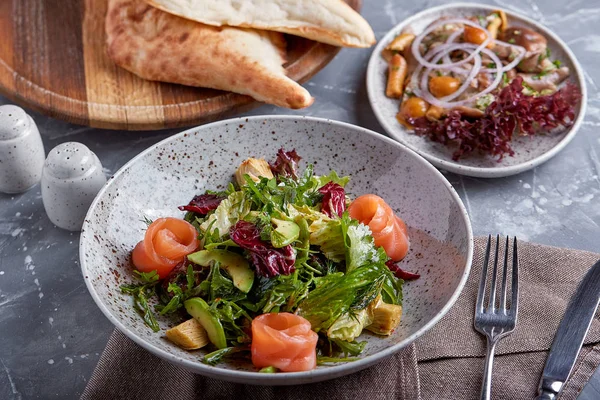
{"x": 170, "y": 173}
{"x": 529, "y": 151}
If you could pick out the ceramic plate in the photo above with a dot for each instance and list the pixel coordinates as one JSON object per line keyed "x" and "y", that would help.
{"x": 529, "y": 151}
{"x": 170, "y": 173}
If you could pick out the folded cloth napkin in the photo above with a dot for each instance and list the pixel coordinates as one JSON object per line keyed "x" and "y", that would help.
{"x": 451, "y": 354}
{"x": 126, "y": 371}
{"x": 446, "y": 363}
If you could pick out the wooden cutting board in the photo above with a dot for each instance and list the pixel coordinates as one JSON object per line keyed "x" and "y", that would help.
{"x": 53, "y": 60}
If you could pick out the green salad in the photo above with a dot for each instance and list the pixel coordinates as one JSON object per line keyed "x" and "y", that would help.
{"x": 278, "y": 240}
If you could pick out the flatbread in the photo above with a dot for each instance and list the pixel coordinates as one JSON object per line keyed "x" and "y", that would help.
{"x": 159, "y": 46}
{"x": 328, "y": 21}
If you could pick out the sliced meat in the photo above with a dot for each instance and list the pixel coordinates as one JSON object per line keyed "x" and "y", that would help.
{"x": 547, "y": 82}
{"x": 534, "y": 43}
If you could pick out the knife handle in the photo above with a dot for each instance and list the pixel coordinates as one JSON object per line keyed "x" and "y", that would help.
{"x": 545, "y": 395}
{"x": 549, "y": 389}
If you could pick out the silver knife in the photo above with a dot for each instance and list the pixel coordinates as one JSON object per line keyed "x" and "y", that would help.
{"x": 570, "y": 335}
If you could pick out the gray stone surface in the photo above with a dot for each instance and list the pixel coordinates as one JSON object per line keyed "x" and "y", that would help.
{"x": 51, "y": 332}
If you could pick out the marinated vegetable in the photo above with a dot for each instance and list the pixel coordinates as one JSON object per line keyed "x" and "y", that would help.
{"x": 464, "y": 71}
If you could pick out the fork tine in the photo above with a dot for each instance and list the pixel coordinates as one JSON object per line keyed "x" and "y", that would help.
{"x": 482, "y": 281}
{"x": 515, "y": 281}
{"x": 504, "y": 277}
{"x": 492, "y": 303}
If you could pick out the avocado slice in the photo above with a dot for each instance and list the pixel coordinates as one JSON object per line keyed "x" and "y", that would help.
{"x": 285, "y": 232}
{"x": 236, "y": 266}
{"x": 200, "y": 310}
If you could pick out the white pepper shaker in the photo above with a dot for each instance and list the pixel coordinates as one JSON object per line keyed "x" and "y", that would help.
{"x": 21, "y": 151}
{"x": 71, "y": 179}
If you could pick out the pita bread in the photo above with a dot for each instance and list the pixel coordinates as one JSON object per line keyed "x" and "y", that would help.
{"x": 162, "y": 47}
{"x": 328, "y": 21}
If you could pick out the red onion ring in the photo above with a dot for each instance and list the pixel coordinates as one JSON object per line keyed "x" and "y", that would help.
{"x": 417, "y": 42}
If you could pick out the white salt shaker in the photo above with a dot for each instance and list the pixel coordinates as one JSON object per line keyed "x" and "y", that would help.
{"x": 21, "y": 150}
{"x": 71, "y": 179}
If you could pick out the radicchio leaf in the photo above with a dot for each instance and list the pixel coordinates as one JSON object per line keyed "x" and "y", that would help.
{"x": 203, "y": 203}
{"x": 512, "y": 109}
{"x": 267, "y": 260}
{"x": 286, "y": 163}
{"x": 334, "y": 200}
{"x": 400, "y": 273}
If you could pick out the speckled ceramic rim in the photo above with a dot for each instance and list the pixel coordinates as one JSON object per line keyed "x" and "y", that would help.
{"x": 281, "y": 378}
{"x": 480, "y": 172}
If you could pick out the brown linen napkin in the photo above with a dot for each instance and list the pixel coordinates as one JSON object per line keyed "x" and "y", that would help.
{"x": 451, "y": 354}
{"x": 127, "y": 371}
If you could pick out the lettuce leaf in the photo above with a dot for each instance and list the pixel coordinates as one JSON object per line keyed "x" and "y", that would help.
{"x": 335, "y": 294}
{"x": 350, "y": 325}
{"x": 321, "y": 181}
{"x": 229, "y": 211}
{"x": 328, "y": 235}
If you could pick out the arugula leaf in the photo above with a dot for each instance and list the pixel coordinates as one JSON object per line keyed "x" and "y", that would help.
{"x": 141, "y": 294}
{"x": 217, "y": 356}
{"x": 147, "y": 277}
{"x": 190, "y": 277}
{"x": 229, "y": 313}
{"x": 141, "y": 303}
{"x": 195, "y": 220}
{"x": 306, "y": 188}
{"x": 222, "y": 287}
{"x": 176, "y": 301}
{"x": 283, "y": 292}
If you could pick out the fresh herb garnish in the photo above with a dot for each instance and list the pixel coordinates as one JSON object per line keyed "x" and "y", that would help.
{"x": 147, "y": 277}
{"x": 217, "y": 356}
{"x": 544, "y": 55}
{"x": 147, "y": 221}
{"x": 141, "y": 294}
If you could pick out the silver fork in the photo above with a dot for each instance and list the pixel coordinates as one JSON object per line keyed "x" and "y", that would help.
{"x": 491, "y": 321}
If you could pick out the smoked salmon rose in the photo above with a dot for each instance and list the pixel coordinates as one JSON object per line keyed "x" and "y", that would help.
{"x": 284, "y": 341}
{"x": 166, "y": 243}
